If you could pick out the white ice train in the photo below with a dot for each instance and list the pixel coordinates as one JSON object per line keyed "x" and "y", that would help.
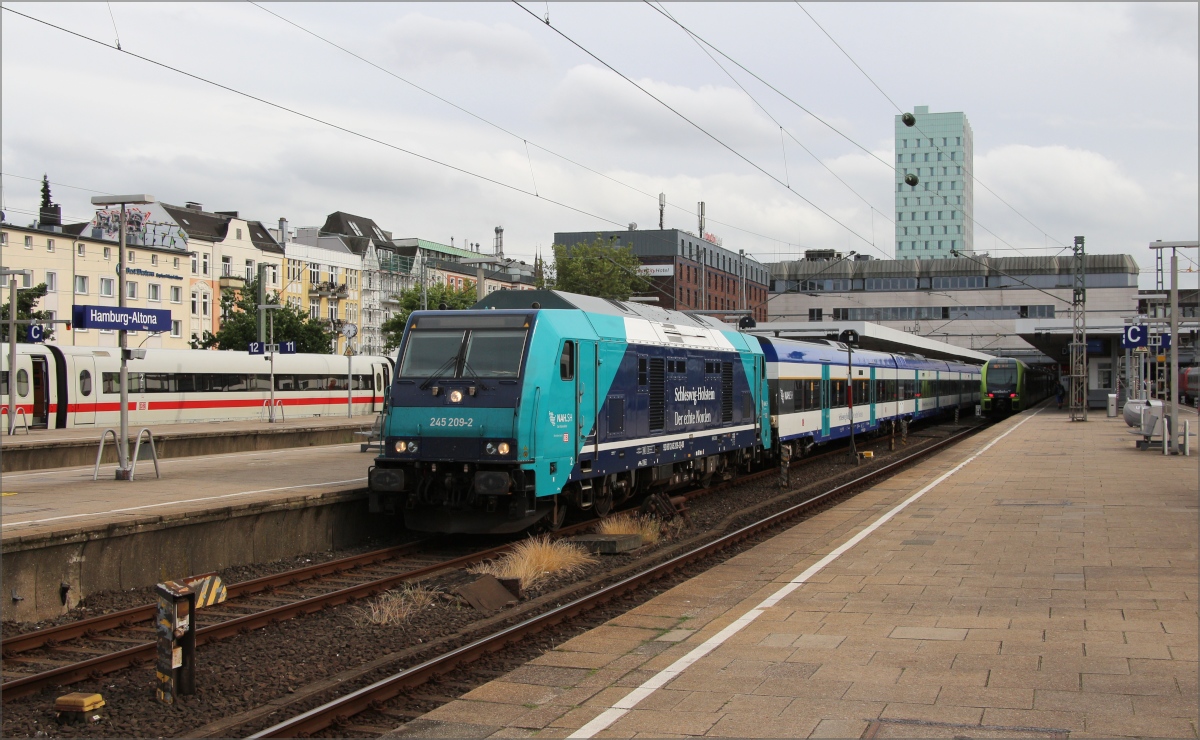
{"x": 59, "y": 387}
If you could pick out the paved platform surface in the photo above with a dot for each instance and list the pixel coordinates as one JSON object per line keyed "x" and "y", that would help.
{"x": 92, "y": 434}
{"x": 65, "y": 501}
{"x": 1046, "y": 588}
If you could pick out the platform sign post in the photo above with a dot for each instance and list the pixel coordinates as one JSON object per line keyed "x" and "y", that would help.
{"x": 123, "y": 333}
{"x": 270, "y": 308}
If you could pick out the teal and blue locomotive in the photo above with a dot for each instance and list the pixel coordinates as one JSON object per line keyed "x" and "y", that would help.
{"x": 501, "y": 417}
{"x": 535, "y": 403}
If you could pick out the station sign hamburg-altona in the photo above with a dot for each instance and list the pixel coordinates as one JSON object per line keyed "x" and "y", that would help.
{"x": 129, "y": 319}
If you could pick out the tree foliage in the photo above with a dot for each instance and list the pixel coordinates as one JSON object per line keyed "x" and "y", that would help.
{"x": 240, "y": 327}
{"x": 27, "y": 299}
{"x": 596, "y": 269}
{"x": 410, "y": 300}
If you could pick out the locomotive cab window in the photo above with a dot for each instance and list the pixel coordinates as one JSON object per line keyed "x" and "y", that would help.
{"x": 566, "y": 361}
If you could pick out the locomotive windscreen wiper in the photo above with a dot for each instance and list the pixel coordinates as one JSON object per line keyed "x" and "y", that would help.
{"x": 437, "y": 373}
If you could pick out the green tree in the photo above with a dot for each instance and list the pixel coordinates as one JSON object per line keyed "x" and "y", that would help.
{"x": 239, "y": 327}
{"x": 27, "y": 299}
{"x": 410, "y": 300}
{"x": 596, "y": 269}
{"x": 46, "y": 192}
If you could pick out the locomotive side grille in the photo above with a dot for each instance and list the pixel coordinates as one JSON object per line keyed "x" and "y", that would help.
{"x": 726, "y": 391}
{"x": 658, "y": 394}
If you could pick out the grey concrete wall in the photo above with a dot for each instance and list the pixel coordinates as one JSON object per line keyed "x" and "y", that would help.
{"x": 156, "y": 549}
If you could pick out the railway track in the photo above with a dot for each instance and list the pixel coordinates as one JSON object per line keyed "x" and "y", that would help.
{"x": 251, "y": 605}
{"x": 339, "y": 712}
{"x": 256, "y": 604}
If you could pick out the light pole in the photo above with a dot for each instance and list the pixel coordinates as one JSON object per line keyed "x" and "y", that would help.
{"x": 124, "y": 469}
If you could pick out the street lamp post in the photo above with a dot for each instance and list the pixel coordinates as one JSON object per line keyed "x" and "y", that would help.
{"x": 124, "y": 470}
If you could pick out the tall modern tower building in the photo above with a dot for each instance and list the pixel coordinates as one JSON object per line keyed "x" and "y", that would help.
{"x": 937, "y": 214}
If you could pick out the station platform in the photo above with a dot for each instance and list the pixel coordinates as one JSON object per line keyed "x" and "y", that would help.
{"x": 76, "y": 446}
{"x": 206, "y": 512}
{"x": 1038, "y": 580}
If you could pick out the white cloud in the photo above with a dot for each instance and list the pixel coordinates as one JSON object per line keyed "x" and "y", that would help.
{"x": 418, "y": 40}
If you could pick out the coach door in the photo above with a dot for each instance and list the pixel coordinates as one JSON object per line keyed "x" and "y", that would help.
{"x": 83, "y": 390}
{"x": 41, "y": 393}
{"x": 586, "y": 398}
{"x": 825, "y": 400}
{"x": 873, "y": 396}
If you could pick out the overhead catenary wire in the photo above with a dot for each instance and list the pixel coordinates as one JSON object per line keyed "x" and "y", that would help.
{"x": 889, "y": 99}
{"x": 701, "y": 129}
{"x": 761, "y": 107}
{"x": 504, "y": 130}
{"x": 317, "y": 120}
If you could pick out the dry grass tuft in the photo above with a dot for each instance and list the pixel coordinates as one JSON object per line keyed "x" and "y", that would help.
{"x": 397, "y": 606}
{"x": 648, "y": 527}
{"x": 536, "y": 559}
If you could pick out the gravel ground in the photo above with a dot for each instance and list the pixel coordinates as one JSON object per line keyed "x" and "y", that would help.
{"x": 240, "y": 674}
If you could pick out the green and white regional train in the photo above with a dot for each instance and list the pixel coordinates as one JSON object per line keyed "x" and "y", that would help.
{"x": 501, "y": 417}
{"x": 1008, "y": 386}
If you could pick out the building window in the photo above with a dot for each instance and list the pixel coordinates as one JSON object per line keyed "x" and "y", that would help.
{"x": 131, "y": 289}
{"x": 175, "y": 262}
{"x": 3, "y": 238}
{"x": 239, "y": 233}
{"x": 205, "y": 264}
{"x": 108, "y": 253}
{"x": 314, "y": 272}
{"x": 204, "y": 304}
{"x": 155, "y": 292}
{"x": 274, "y": 274}
{"x": 107, "y": 287}
{"x": 81, "y": 286}
{"x": 81, "y": 250}
{"x": 195, "y": 263}
{"x": 176, "y": 328}
{"x": 176, "y": 294}
{"x": 226, "y": 266}
{"x": 816, "y": 314}
{"x": 195, "y": 303}
{"x": 130, "y": 257}
{"x": 29, "y": 242}
{"x": 333, "y": 312}
{"x": 314, "y": 310}
{"x": 49, "y": 245}
{"x": 249, "y": 270}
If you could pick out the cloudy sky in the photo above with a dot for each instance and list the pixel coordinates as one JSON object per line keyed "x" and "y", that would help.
{"x": 1084, "y": 116}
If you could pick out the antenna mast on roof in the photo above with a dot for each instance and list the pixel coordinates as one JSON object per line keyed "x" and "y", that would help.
{"x": 498, "y": 244}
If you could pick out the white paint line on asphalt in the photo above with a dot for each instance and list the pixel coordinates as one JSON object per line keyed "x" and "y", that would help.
{"x": 176, "y": 503}
{"x": 45, "y": 472}
{"x": 663, "y": 677}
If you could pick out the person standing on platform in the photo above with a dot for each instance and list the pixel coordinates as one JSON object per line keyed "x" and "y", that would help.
{"x": 1058, "y": 395}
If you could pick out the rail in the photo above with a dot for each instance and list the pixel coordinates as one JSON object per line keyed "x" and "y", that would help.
{"x": 100, "y": 452}
{"x": 137, "y": 449}
{"x": 321, "y": 717}
{"x": 12, "y": 429}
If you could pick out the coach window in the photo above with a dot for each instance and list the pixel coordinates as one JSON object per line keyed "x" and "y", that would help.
{"x": 85, "y": 383}
{"x": 566, "y": 362}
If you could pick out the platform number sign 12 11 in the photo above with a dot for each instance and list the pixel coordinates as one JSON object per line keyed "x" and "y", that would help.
{"x": 287, "y": 348}
{"x": 258, "y": 348}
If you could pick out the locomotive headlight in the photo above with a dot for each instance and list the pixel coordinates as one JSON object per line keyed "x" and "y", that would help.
{"x": 502, "y": 448}
{"x": 401, "y": 446}
{"x": 490, "y": 448}
{"x": 455, "y": 396}
{"x": 412, "y": 446}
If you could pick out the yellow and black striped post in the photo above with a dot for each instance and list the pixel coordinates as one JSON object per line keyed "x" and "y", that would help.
{"x": 176, "y": 629}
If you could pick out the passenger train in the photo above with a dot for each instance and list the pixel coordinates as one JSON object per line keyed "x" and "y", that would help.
{"x": 1009, "y": 386}
{"x": 513, "y": 412}
{"x": 62, "y": 386}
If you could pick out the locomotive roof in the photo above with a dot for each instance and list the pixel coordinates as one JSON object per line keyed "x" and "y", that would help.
{"x": 562, "y": 300}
